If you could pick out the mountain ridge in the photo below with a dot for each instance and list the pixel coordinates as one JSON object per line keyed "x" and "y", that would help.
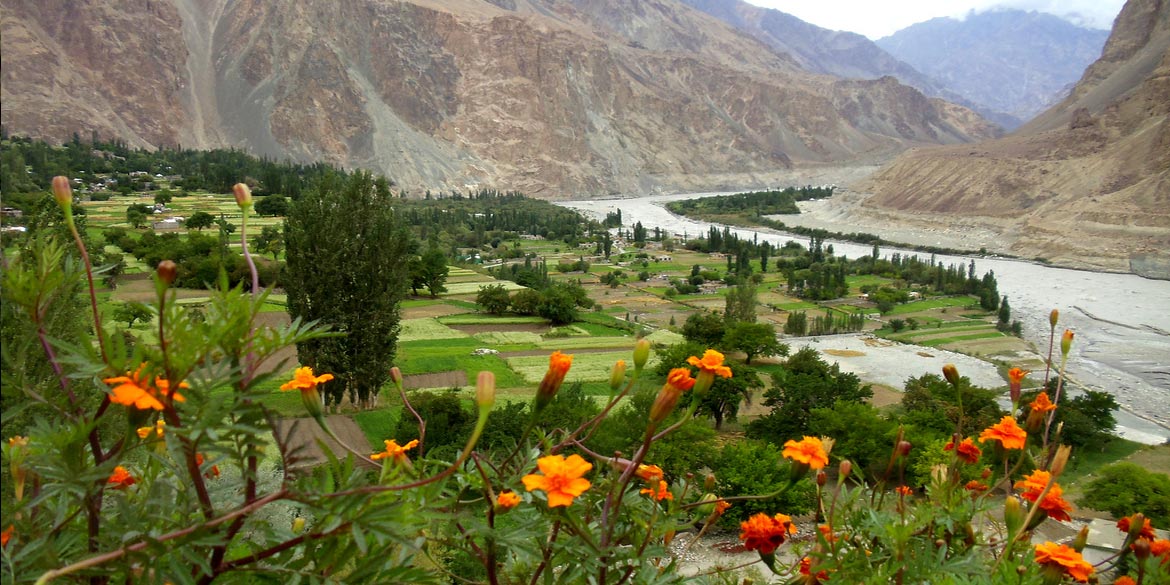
{"x": 552, "y": 97}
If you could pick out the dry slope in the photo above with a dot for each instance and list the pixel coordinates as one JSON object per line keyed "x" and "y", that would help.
{"x": 1085, "y": 184}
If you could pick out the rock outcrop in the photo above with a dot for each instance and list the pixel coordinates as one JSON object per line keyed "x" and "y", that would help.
{"x": 553, "y": 97}
{"x": 1087, "y": 183}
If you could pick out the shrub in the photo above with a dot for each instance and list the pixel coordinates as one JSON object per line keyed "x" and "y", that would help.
{"x": 1124, "y": 488}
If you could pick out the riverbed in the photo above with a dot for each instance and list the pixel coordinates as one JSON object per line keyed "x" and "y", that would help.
{"x": 1121, "y": 321}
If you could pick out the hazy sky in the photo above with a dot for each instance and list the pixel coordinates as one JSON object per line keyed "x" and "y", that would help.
{"x": 879, "y": 18}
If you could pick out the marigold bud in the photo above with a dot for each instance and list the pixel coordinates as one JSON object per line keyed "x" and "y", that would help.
{"x": 1081, "y": 540}
{"x": 1060, "y": 460}
{"x": 298, "y": 525}
{"x": 485, "y": 390}
{"x": 709, "y": 482}
{"x": 641, "y": 354}
{"x": 843, "y": 469}
{"x": 167, "y": 271}
{"x": 664, "y": 403}
{"x": 1136, "y": 523}
{"x": 706, "y": 505}
{"x": 62, "y": 191}
{"x": 904, "y": 448}
{"x": 1141, "y": 548}
{"x": 617, "y": 375}
{"x": 396, "y": 376}
{"x": 243, "y": 195}
{"x": 1066, "y": 341}
{"x": 1013, "y": 515}
{"x": 558, "y": 366}
{"x": 1053, "y": 317}
{"x": 822, "y": 478}
{"x": 951, "y": 373}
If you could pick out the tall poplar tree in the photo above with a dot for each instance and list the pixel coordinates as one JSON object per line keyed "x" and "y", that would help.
{"x": 347, "y": 260}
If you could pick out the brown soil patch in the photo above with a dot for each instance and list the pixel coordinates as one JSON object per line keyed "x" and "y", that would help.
{"x": 844, "y": 352}
{"x": 884, "y": 396}
{"x": 139, "y": 288}
{"x": 453, "y": 379}
{"x": 302, "y": 437}
{"x": 430, "y": 311}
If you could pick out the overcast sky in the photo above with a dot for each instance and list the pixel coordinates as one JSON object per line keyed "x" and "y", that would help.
{"x": 879, "y": 18}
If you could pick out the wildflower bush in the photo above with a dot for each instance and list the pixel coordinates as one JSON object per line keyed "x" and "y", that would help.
{"x": 150, "y": 464}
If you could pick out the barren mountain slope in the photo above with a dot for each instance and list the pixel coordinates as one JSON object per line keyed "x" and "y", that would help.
{"x": 1093, "y": 191}
{"x": 554, "y": 97}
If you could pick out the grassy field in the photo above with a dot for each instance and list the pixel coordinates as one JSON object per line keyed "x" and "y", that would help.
{"x": 587, "y": 367}
{"x": 419, "y": 329}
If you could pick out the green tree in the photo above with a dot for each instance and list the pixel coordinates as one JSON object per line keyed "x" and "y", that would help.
{"x": 136, "y": 217}
{"x": 704, "y": 328}
{"x": 558, "y": 304}
{"x": 931, "y": 402}
{"x": 270, "y": 241}
{"x": 493, "y": 298}
{"x": 275, "y": 205}
{"x": 347, "y": 254}
{"x": 806, "y": 383}
{"x": 754, "y": 339}
{"x": 199, "y": 220}
{"x": 434, "y": 271}
{"x": 130, "y": 313}
{"x": 164, "y": 196}
{"x": 741, "y": 304}
{"x": 796, "y": 324}
{"x": 1125, "y": 488}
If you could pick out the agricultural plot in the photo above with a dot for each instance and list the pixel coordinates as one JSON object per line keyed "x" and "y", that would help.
{"x": 483, "y": 319}
{"x": 500, "y": 338}
{"x": 587, "y": 367}
{"x": 470, "y": 288}
{"x": 427, "y": 328}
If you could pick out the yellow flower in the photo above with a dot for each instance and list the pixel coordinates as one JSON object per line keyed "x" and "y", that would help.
{"x": 158, "y": 429}
{"x": 808, "y": 451}
{"x": 304, "y": 380}
{"x": 395, "y": 452}
{"x": 562, "y": 479}
{"x": 662, "y": 493}
{"x": 1007, "y": 432}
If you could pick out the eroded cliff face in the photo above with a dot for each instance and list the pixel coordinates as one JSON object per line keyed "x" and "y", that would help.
{"x": 553, "y": 97}
{"x": 1086, "y": 184}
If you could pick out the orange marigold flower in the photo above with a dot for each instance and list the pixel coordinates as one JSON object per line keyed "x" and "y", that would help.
{"x": 1053, "y": 503}
{"x": 1042, "y": 403}
{"x": 806, "y": 569}
{"x": 1007, "y": 432}
{"x": 904, "y": 490}
{"x": 395, "y": 451}
{"x": 304, "y": 380}
{"x": 6, "y": 535}
{"x": 1016, "y": 375}
{"x": 1125, "y": 580}
{"x": 721, "y": 507}
{"x": 809, "y": 451}
{"x": 649, "y": 473}
{"x": 562, "y": 479}
{"x": 134, "y": 389}
{"x": 976, "y": 486}
{"x": 507, "y": 500}
{"x": 1065, "y": 559}
{"x": 765, "y": 533}
{"x": 968, "y": 450}
{"x": 1161, "y": 548}
{"x": 210, "y": 473}
{"x": 711, "y": 363}
{"x": 681, "y": 379}
{"x": 558, "y": 366}
{"x": 1146, "y": 532}
{"x": 827, "y": 532}
{"x": 121, "y": 478}
{"x": 662, "y": 493}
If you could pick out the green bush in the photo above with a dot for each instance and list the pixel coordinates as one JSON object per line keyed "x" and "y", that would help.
{"x": 1126, "y": 488}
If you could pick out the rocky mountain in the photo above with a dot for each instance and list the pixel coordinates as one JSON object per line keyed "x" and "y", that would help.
{"x": 552, "y": 97}
{"x": 1007, "y": 60}
{"x": 1086, "y": 183}
{"x": 839, "y": 53}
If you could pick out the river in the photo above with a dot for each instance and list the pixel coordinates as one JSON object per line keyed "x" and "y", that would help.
{"x": 1121, "y": 321}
